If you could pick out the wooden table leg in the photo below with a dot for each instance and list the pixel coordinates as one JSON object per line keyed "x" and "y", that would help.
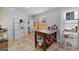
{"x": 35, "y": 39}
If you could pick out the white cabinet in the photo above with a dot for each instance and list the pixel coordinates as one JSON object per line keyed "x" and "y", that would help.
{"x": 71, "y": 30}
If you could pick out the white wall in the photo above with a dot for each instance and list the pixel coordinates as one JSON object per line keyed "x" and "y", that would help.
{"x": 53, "y": 16}
{"x": 7, "y": 20}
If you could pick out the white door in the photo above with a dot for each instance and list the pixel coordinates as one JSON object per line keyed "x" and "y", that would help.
{"x": 19, "y": 28}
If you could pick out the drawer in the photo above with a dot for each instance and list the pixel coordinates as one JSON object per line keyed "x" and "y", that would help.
{"x": 39, "y": 33}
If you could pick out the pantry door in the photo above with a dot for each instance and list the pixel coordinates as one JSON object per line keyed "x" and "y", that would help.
{"x": 19, "y": 28}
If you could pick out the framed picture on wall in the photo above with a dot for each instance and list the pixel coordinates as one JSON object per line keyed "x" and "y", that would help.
{"x": 43, "y": 20}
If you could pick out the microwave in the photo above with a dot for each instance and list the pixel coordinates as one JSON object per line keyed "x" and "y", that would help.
{"x": 72, "y": 15}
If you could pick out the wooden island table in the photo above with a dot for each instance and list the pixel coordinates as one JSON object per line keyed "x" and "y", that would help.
{"x": 44, "y": 38}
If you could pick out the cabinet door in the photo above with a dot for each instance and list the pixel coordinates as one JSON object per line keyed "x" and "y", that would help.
{"x": 4, "y": 45}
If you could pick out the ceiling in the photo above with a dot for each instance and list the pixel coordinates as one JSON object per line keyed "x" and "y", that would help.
{"x": 34, "y": 10}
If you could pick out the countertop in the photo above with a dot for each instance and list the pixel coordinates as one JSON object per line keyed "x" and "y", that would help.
{"x": 47, "y": 31}
{"x": 2, "y": 32}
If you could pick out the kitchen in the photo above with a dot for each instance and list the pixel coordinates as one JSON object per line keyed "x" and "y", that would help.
{"x": 26, "y": 27}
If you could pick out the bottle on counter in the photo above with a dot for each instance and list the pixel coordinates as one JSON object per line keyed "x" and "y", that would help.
{"x": 54, "y": 27}
{"x": 76, "y": 28}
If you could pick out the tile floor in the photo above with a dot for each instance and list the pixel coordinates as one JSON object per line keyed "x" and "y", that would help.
{"x": 27, "y": 44}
